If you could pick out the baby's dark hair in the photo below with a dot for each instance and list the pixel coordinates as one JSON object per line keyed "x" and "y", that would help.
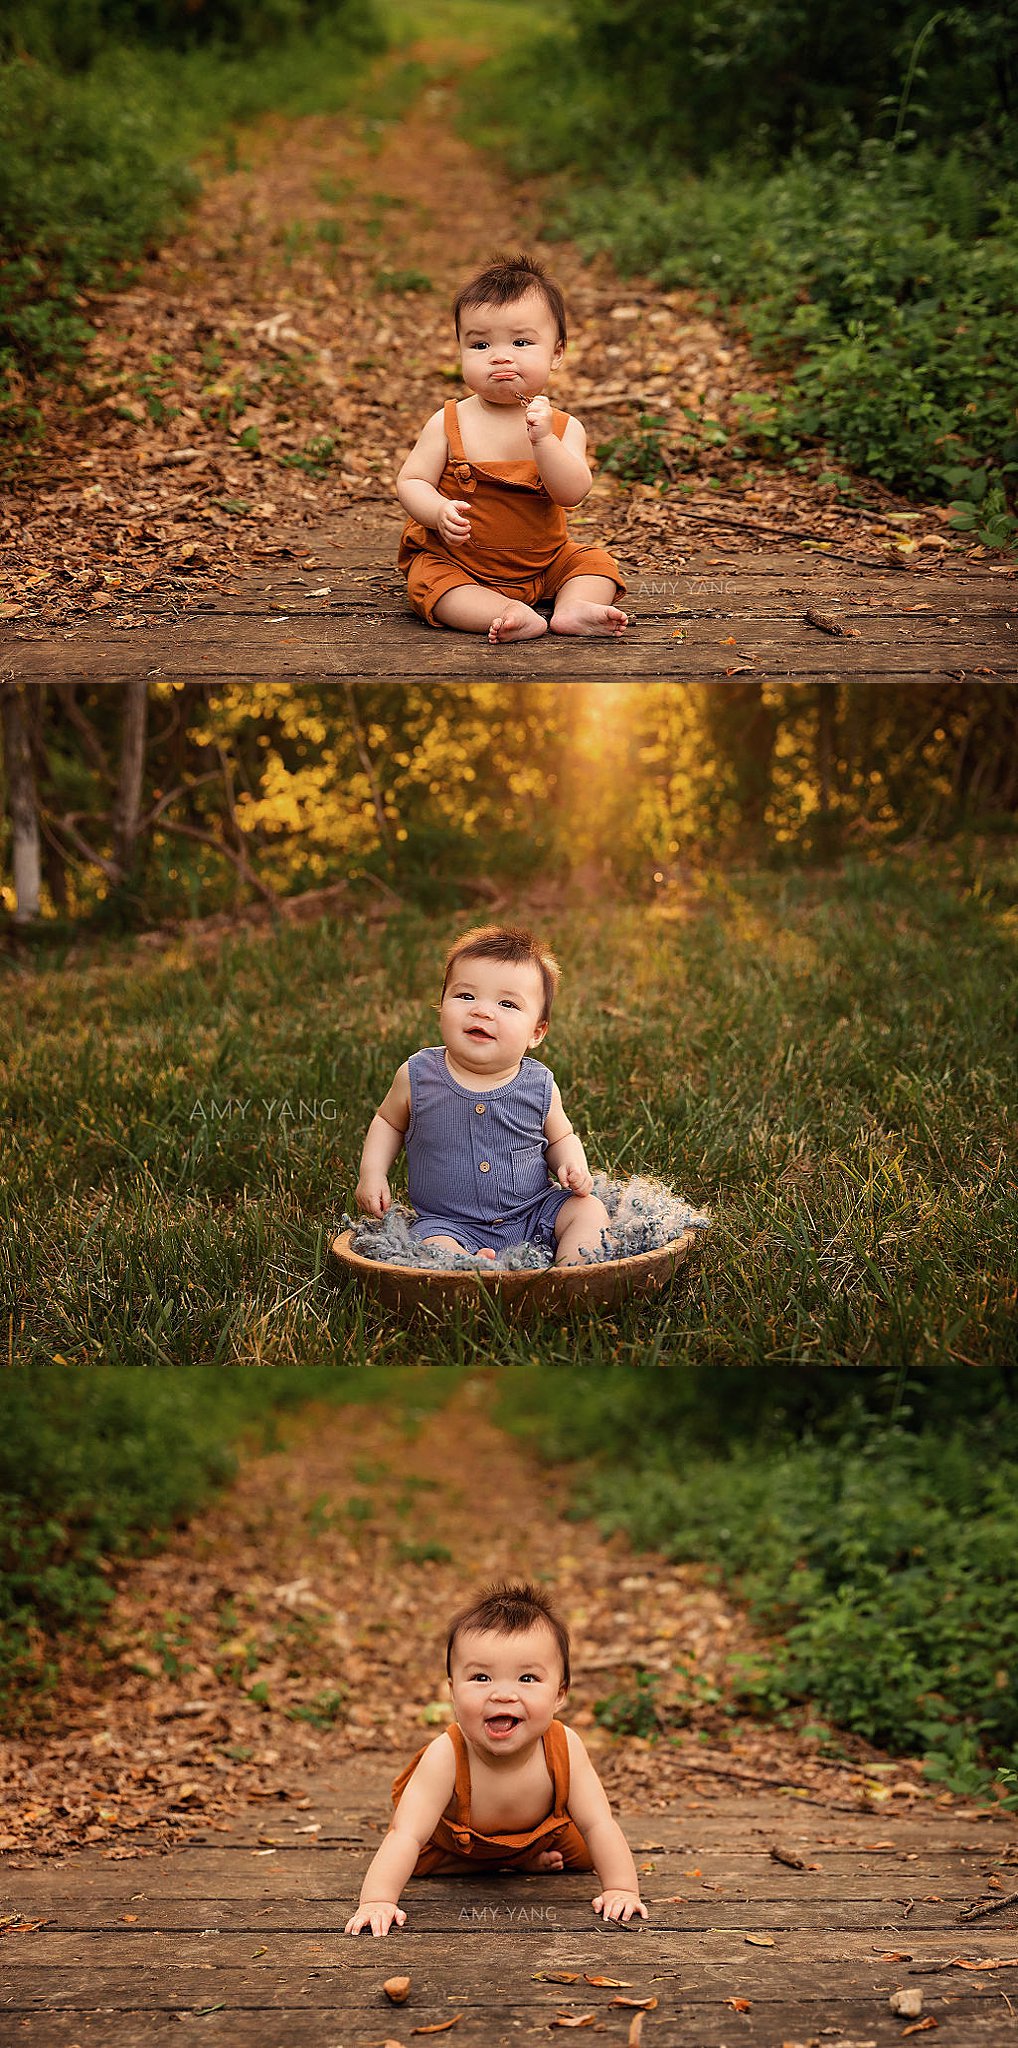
{"x": 514, "y": 944}
{"x": 506, "y": 279}
{"x": 509, "y": 1608}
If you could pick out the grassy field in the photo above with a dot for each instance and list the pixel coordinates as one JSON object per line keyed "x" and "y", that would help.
{"x": 823, "y": 1059}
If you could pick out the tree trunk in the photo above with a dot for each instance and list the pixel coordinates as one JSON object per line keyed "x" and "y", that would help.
{"x": 131, "y": 776}
{"x": 21, "y": 802}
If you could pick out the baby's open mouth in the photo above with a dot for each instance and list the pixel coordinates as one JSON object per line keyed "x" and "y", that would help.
{"x": 478, "y": 1031}
{"x": 501, "y": 1724}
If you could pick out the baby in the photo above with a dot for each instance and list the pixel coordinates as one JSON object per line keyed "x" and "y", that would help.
{"x": 487, "y": 485}
{"x": 483, "y": 1125}
{"x": 506, "y": 1786}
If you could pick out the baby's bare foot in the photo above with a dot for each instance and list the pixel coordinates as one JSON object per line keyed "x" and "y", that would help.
{"x": 545, "y": 1859}
{"x": 593, "y": 620}
{"x": 516, "y": 622}
{"x": 486, "y": 1252}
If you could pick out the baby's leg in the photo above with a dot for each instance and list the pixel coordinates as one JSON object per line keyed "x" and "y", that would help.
{"x": 473, "y": 608}
{"x": 450, "y": 1245}
{"x": 579, "y": 1222}
{"x": 584, "y": 605}
{"x": 543, "y": 1859}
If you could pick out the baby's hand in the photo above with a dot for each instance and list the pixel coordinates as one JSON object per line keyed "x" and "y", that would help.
{"x": 578, "y": 1179}
{"x": 453, "y": 522}
{"x": 378, "y": 1914}
{"x": 539, "y": 419}
{"x": 619, "y": 1905}
{"x": 374, "y": 1196}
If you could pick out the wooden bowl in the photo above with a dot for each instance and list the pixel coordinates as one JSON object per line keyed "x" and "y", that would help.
{"x": 414, "y": 1290}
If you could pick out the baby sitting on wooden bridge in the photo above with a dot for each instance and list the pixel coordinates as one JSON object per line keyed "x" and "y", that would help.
{"x": 483, "y": 1125}
{"x": 487, "y": 485}
{"x": 506, "y": 1786}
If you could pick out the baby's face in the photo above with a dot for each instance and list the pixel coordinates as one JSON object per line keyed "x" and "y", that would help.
{"x": 491, "y": 1014}
{"x": 506, "y": 1689}
{"x": 507, "y": 352}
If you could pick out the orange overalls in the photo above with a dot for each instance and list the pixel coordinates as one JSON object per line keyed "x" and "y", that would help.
{"x": 456, "y": 1845}
{"x": 519, "y": 543}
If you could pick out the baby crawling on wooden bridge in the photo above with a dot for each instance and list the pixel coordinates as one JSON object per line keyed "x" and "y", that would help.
{"x": 506, "y": 1786}
{"x": 487, "y": 486}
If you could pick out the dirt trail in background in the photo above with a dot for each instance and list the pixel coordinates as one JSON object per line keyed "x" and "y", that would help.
{"x": 301, "y": 1620}
{"x": 273, "y": 364}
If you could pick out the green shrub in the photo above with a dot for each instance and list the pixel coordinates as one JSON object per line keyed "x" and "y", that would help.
{"x": 878, "y": 1552}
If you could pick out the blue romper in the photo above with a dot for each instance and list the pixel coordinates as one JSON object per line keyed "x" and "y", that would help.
{"x": 476, "y": 1158}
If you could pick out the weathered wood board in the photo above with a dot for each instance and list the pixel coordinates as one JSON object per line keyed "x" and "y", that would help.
{"x": 238, "y": 1938}
{"x": 707, "y": 618}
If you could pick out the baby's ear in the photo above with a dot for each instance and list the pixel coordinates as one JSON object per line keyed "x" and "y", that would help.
{"x": 540, "y": 1031}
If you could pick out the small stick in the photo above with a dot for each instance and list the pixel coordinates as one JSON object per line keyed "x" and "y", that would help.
{"x": 979, "y": 1912}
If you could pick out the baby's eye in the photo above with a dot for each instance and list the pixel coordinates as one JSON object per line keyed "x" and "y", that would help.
{"x": 464, "y": 995}
{"x": 478, "y": 1678}
{"x": 529, "y": 1678}
{"x": 477, "y": 344}
{"x": 506, "y": 1003}
{"x": 520, "y": 343}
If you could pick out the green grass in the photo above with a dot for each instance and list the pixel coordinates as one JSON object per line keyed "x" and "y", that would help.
{"x": 93, "y": 1466}
{"x": 873, "y": 1539}
{"x": 823, "y": 1059}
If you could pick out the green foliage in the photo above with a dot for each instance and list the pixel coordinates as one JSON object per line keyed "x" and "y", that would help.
{"x": 633, "y": 1709}
{"x": 758, "y": 157}
{"x": 871, "y": 1525}
{"x": 686, "y": 82}
{"x": 100, "y": 107}
{"x": 93, "y": 1466}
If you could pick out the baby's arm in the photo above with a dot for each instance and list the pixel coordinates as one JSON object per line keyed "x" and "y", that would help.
{"x": 563, "y": 465}
{"x": 413, "y": 1823}
{"x": 566, "y": 1158}
{"x": 417, "y": 486}
{"x": 619, "y": 1897}
{"x": 383, "y": 1145}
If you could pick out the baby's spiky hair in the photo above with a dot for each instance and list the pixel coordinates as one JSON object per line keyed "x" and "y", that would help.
{"x": 514, "y": 944}
{"x": 508, "y": 278}
{"x": 510, "y": 1608}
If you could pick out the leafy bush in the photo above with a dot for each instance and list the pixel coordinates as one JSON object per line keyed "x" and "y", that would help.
{"x": 94, "y": 1465}
{"x": 95, "y": 134}
{"x": 759, "y": 156}
{"x": 878, "y": 1550}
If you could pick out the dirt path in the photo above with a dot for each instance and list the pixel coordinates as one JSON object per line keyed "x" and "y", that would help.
{"x": 270, "y": 368}
{"x": 219, "y": 1836}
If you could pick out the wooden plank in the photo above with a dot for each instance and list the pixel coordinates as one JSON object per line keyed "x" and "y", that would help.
{"x": 696, "y": 2026}
{"x": 139, "y": 1948}
{"x": 213, "y": 649}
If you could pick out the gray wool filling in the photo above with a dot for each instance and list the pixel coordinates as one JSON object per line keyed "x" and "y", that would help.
{"x": 644, "y": 1215}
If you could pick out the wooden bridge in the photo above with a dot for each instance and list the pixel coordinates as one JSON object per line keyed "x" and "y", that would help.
{"x": 778, "y": 1921}
{"x": 797, "y": 615}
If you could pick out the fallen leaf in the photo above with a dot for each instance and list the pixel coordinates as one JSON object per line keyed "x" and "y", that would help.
{"x": 760, "y": 1940}
{"x": 129, "y": 1919}
{"x": 788, "y": 1857}
{"x": 255, "y": 1953}
{"x": 440, "y": 2026}
{"x": 614, "y": 1983}
{"x": 583, "y": 2019}
{"x": 397, "y": 1990}
{"x": 920, "y": 2026}
{"x": 555, "y": 1977}
{"x": 635, "y": 2030}
{"x": 987, "y": 1963}
{"x": 636, "y": 2004}
{"x": 739, "y": 2004}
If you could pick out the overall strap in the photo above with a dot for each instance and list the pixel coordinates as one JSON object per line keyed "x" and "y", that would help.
{"x": 450, "y": 414}
{"x": 556, "y": 1756}
{"x": 455, "y": 1732}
